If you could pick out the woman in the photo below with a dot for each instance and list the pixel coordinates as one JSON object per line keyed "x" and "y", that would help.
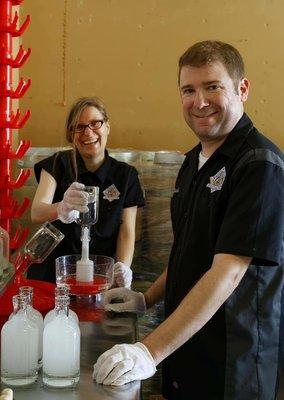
{"x": 59, "y": 194}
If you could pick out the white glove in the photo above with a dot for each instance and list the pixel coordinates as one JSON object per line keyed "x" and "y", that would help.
{"x": 6, "y": 394}
{"x": 124, "y": 363}
{"x": 74, "y": 199}
{"x": 131, "y": 301}
{"x": 122, "y": 275}
{"x": 117, "y": 326}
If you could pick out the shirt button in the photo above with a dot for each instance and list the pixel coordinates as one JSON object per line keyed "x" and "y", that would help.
{"x": 174, "y": 284}
{"x": 185, "y": 214}
{"x": 175, "y": 384}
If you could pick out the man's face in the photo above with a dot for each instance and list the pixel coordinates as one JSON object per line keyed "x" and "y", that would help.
{"x": 212, "y": 105}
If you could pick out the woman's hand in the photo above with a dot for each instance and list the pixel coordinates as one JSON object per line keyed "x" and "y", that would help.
{"x": 74, "y": 199}
{"x": 122, "y": 275}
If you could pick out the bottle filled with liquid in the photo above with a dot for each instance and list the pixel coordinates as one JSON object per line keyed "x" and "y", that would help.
{"x": 60, "y": 291}
{"x": 19, "y": 346}
{"x": 61, "y": 348}
{"x": 35, "y": 316}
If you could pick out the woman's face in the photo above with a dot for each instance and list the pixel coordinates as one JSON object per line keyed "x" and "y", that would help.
{"x": 91, "y": 142}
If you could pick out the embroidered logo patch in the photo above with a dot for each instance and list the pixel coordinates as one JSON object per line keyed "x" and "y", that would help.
{"x": 216, "y": 181}
{"x": 111, "y": 193}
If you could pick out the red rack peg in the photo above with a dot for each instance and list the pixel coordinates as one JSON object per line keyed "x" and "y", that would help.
{"x": 22, "y": 29}
{"x": 9, "y": 120}
{"x": 19, "y": 237}
{"x": 15, "y": 122}
{"x": 20, "y": 181}
{"x": 17, "y": 2}
{"x": 21, "y": 150}
{"x": 19, "y": 92}
{"x": 6, "y": 152}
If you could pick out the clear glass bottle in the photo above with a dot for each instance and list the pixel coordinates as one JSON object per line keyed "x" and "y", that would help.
{"x": 19, "y": 346}
{"x": 1, "y": 260}
{"x": 4, "y": 238}
{"x": 91, "y": 216}
{"x": 35, "y": 316}
{"x": 60, "y": 291}
{"x": 61, "y": 348}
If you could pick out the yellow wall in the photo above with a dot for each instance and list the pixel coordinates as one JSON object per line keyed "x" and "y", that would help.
{"x": 126, "y": 52}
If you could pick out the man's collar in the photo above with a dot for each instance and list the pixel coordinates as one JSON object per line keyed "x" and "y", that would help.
{"x": 236, "y": 137}
{"x": 101, "y": 173}
{"x": 233, "y": 141}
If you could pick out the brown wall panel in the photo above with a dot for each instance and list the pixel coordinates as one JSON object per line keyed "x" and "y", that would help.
{"x": 126, "y": 52}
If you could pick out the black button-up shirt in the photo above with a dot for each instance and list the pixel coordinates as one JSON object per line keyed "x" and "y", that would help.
{"x": 233, "y": 204}
{"x": 104, "y": 234}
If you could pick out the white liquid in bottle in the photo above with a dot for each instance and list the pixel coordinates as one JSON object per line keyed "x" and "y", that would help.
{"x": 61, "y": 348}
{"x": 35, "y": 316}
{"x": 60, "y": 291}
{"x": 19, "y": 347}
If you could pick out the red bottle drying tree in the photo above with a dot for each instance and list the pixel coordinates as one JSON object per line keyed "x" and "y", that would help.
{"x": 10, "y": 120}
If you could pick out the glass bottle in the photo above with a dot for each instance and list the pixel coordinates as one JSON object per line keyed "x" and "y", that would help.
{"x": 1, "y": 260}
{"x": 91, "y": 216}
{"x": 61, "y": 348}
{"x": 4, "y": 238}
{"x": 60, "y": 291}
{"x": 35, "y": 316}
{"x": 43, "y": 242}
{"x": 19, "y": 346}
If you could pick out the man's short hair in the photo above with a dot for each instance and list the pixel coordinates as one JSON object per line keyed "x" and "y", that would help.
{"x": 209, "y": 51}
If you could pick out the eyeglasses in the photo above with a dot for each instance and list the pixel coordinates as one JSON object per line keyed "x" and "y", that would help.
{"x": 93, "y": 125}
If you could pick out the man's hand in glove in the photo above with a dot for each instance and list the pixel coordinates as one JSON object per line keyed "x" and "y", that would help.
{"x": 74, "y": 200}
{"x": 122, "y": 275}
{"x": 130, "y": 301}
{"x": 124, "y": 363}
{"x": 6, "y": 394}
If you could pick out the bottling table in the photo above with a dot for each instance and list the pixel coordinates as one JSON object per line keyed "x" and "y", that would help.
{"x": 96, "y": 337}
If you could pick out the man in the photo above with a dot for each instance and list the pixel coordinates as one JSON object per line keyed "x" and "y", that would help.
{"x": 223, "y": 284}
{"x": 6, "y": 394}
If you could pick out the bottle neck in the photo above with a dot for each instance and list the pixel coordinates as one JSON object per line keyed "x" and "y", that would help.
{"x": 20, "y": 303}
{"x": 28, "y": 292}
{"x": 62, "y": 305}
{"x": 61, "y": 291}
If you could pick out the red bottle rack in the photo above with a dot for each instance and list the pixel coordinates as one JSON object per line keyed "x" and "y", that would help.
{"x": 9, "y": 120}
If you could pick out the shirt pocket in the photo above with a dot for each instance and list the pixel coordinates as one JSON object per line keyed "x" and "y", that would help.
{"x": 109, "y": 217}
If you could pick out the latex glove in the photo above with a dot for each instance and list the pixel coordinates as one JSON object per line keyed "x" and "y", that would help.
{"x": 116, "y": 325}
{"x": 131, "y": 301}
{"x": 74, "y": 200}
{"x": 122, "y": 275}
{"x": 117, "y": 392}
{"x": 124, "y": 363}
{"x": 6, "y": 394}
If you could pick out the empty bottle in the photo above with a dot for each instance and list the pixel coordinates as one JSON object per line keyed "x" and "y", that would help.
{"x": 35, "y": 316}
{"x": 19, "y": 346}
{"x": 60, "y": 291}
{"x": 4, "y": 239}
{"x": 61, "y": 348}
{"x": 1, "y": 260}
